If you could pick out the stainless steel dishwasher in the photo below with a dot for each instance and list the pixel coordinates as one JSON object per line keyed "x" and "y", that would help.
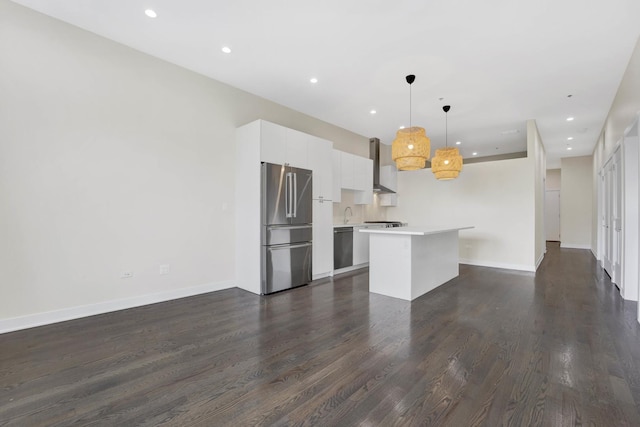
{"x": 342, "y": 247}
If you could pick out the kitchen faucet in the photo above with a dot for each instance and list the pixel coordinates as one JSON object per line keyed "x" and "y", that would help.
{"x": 346, "y": 220}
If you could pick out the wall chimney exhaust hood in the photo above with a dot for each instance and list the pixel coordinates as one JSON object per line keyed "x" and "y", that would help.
{"x": 374, "y": 154}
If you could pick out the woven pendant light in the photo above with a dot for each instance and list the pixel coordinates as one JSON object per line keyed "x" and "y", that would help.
{"x": 412, "y": 148}
{"x": 447, "y": 163}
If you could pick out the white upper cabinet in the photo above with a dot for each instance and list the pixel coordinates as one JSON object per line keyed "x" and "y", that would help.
{"x": 337, "y": 176}
{"x": 273, "y": 148}
{"x": 351, "y": 172}
{"x": 363, "y": 173}
{"x": 388, "y": 199}
{"x": 364, "y": 181}
{"x": 282, "y": 145}
{"x": 321, "y": 163}
{"x": 297, "y": 149}
{"x": 346, "y": 170}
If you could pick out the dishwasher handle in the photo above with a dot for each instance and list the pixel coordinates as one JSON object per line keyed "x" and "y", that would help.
{"x": 343, "y": 230}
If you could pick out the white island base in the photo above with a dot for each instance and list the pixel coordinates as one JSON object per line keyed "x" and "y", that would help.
{"x": 407, "y": 262}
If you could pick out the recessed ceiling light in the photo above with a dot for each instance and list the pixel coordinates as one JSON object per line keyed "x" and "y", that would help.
{"x": 570, "y": 138}
{"x": 509, "y": 132}
{"x": 401, "y": 127}
{"x": 458, "y": 142}
{"x": 569, "y": 148}
{"x": 313, "y": 80}
{"x": 474, "y": 153}
{"x": 226, "y": 49}
{"x": 150, "y": 13}
{"x": 372, "y": 112}
{"x": 569, "y": 119}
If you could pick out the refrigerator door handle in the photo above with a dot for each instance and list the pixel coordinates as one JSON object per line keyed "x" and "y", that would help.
{"x": 288, "y": 227}
{"x": 295, "y": 193}
{"x": 288, "y": 195}
{"x": 288, "y": 246}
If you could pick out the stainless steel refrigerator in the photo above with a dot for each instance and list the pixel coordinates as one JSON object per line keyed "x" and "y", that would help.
{"x": 287, "y": 227}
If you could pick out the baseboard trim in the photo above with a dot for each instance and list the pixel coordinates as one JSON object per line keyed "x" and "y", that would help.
{"x": 49, "y": 317}
{"x": 540, "y": 260}
{"x": 349, "y": 269}
{"x": 519, "y": 267}
{"x": 321, "y": 275}
{"x": 572, "y": 246}
{"x": 594, "y": 254}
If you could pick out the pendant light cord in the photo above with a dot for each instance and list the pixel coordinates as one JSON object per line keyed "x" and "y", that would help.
{"x": 446, "y": 130}
{"x": 410, "y": 102}
{"x": 446, "y": 109}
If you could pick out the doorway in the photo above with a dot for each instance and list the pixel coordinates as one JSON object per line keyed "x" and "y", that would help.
{"x": 552, "y": 215}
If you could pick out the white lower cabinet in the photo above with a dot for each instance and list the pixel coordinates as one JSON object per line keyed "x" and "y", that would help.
{"x": 322, "y": 238}
{"x": 360, "y": 247}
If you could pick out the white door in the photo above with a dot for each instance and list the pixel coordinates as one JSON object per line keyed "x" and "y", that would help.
{"x": 601, "y": 229}
{"x": 607, "y": 214}
{"x": 552, "y": 215}
{"x": 616, "y": 224}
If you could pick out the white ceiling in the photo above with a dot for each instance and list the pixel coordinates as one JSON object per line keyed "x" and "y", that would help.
{"x": 496, "y": 62}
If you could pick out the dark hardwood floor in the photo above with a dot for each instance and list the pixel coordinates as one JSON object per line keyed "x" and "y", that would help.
{"x": 492, "y": 347}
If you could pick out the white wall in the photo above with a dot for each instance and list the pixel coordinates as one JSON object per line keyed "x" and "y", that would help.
{"x": 576, "y": 202}
{"x": 497, "y": 198}
{"x": 112, "y": 161}
{"x": 552, "y": 204}
{"x": 553, "y": 179}
{"x": 503, "y": 200}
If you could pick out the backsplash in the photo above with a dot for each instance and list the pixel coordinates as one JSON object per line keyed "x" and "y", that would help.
{"x": 361, "y": 213}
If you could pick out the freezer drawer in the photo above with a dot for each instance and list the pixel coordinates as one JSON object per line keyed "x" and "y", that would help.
{"x": 284, "y": 234}
{"x": 285, "y": 266}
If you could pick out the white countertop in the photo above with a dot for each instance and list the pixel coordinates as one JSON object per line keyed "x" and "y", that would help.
{"x": 357, "y": 225}
{"x": 415, "y": 230}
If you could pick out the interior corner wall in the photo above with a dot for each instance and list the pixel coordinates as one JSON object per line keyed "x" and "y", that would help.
{"x": 537, "y": 158}
{"x": 113, "y": 161}
{"x": 576, "y": 202}
{"x": 497, "y": 198}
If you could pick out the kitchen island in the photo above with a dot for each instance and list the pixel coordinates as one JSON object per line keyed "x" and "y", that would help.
{"x": 407, "y": 262}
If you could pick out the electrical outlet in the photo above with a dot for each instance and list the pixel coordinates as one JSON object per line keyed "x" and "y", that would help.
{"x": 126, "y": 274}
{"x": 164, "y": 269}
